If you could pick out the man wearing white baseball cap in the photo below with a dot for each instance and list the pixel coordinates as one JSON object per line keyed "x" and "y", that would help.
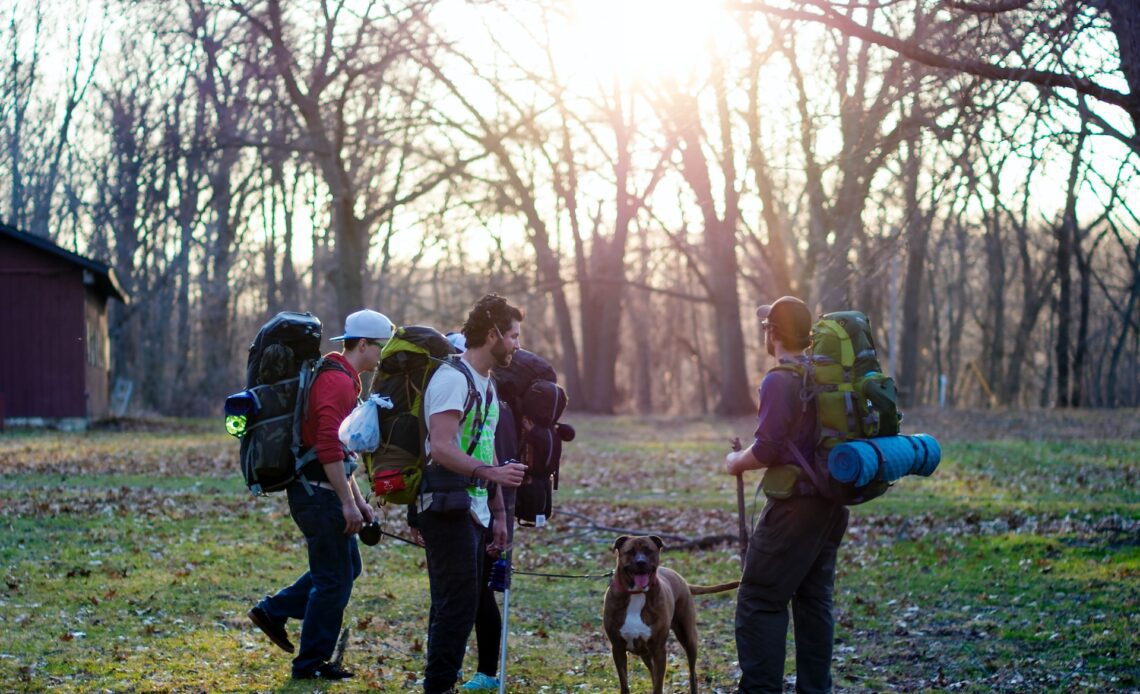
{"x": 331, "y": 510}
{"x": 366, "y": 324}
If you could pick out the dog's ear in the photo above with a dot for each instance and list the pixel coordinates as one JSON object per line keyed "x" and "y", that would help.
{"x": 657, "y": 541}
{"x": 619, "y": 542}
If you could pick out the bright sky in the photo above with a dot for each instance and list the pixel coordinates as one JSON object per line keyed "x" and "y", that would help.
{"x": 641, "y": 40}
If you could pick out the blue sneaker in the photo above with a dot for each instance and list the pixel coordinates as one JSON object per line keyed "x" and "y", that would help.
{"x": 480, "y": 683}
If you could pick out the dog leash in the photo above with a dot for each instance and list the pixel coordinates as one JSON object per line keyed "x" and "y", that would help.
{"x": 609, "y": 574}
{"x": 385, "y": 533}
{"x": 535, "y": 573}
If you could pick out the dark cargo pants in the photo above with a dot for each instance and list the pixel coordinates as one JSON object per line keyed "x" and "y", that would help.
{"x": 791, "y": 557}
{"x": 454, "y": 545}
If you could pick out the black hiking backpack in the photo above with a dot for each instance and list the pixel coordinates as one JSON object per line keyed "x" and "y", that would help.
{"x": 284, "y": 360}
{"x": 528, "y": 387}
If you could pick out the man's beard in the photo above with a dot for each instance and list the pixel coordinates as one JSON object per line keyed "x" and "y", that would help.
{"x": 501, "y": 355}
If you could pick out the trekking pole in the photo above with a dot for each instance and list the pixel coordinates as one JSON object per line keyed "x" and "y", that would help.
{"x": 740, "y": 508}
{"x": 500, "y": 581}
{"x": 338, "y": 651}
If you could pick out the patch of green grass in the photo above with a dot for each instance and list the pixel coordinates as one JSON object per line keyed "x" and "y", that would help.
{"x": 991, "y": 611}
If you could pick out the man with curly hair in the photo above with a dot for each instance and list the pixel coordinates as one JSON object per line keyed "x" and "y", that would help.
{"x": 462, "y": 487}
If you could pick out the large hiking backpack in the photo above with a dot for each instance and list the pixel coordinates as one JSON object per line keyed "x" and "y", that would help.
{"x": 284, "y": 360}
{"x": 525, "y": 368}
{"x": 854, "y": 399}
{"x": 529, "y": 388}
{"x": 407, "y": 363}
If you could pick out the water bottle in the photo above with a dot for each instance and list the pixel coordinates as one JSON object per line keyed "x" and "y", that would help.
{"x": 500, "y": 579}
{"x": 235, "y": 425}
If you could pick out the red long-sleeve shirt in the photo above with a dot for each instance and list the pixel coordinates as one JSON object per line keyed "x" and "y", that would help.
{"x": 331, "y": 399}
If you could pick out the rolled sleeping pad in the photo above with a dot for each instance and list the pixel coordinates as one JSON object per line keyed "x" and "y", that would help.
{"x": 884, "y": 458}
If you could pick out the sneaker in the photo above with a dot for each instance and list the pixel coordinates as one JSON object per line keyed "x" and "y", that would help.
{"x": 327, "y": 671}
{"x": 480, "y": 682}
{"x": 274, "y": 629}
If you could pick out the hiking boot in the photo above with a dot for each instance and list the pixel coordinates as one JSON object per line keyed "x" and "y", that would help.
{"x": 480, "y": 683}
{"x": 274, "y": 629}
{"x": 327, "y": 671}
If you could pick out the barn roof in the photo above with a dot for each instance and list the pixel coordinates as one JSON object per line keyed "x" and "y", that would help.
{"x": 104, "y": 276}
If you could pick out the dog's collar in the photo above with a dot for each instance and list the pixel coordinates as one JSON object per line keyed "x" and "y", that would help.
{"x": 620, "y": 589}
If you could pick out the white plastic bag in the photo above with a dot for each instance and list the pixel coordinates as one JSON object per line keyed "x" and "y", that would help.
{"x": 360, "y": 430}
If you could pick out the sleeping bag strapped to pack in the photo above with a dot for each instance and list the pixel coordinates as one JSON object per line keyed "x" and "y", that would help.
{"x": 284, "y": 360}
{"x": 407, "y": 362}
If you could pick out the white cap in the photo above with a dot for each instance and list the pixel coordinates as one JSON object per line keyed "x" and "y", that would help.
{"x": 367, "y": 324}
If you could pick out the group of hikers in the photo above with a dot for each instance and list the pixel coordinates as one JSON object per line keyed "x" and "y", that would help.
{"x": 463, "y": 522}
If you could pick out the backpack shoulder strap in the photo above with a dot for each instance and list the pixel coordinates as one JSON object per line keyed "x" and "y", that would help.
{"x": 302, "y": 454}
{"x": 473, "y": 400}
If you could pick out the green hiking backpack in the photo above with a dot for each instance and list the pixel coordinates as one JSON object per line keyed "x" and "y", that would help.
{"x": 407, "y": 362}
{"x": 854, "y": 399}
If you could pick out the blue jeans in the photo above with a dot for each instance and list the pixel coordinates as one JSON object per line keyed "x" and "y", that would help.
{"x": 320, "y": 595}
{"x": 791, "y": 558}
{"x": 454, "y": 546}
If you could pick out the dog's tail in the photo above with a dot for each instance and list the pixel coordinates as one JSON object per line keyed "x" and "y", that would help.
{"x": 718, "y": 588}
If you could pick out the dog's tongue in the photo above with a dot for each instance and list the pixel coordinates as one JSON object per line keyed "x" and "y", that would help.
{"x": 641, "y": 581}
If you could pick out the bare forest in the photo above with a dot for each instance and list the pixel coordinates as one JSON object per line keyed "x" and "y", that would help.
{"x": 637, "y": 175}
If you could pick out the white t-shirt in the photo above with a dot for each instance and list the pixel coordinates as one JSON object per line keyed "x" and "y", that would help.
{"x": 447, "y": 391}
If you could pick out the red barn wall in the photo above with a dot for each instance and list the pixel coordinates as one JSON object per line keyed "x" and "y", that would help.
{"x": 43, "y": 328}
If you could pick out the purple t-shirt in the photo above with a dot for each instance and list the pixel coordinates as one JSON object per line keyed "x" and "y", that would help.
{"x": 783, "y": 417}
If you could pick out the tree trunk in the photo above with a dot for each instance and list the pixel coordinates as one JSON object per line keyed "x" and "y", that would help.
{"x": 1066, "y": 234}
{"x": 721, "y": 265}
{"x": 1084, "y": 274}
{"x": 995, "y": 271}
{"x": 917, "y": 239}
{"x": 1126, "y": 325}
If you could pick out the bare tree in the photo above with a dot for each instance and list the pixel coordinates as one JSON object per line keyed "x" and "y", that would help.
{"x": 341, "y": 77}
{"x": 37, "y": 115}
{"x": 1045, "y": 43}
{"x": 719, "y": 266}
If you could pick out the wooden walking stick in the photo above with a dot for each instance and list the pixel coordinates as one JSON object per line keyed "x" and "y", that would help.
{"x": 740, "y": 507}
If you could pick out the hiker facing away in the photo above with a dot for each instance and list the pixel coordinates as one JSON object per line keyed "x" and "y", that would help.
{"x": 792, "y": 552}
{"x": 455, "y": 503}
{"x": 330, "y": 512}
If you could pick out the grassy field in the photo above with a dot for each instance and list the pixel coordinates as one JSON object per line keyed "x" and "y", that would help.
{"x": 130, "y": 557}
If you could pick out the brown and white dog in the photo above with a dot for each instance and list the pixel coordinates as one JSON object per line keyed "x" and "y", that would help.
{"x": 643, "y": 602}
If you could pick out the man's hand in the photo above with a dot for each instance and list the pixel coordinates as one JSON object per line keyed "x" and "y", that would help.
{"x": 417, "y": 536}
{"x": 353, "y": 518}
{"x": 740, "y": 460}
{"x": 366, "y": 510}
{"x": 509, "y": 475}
{"x": 499, "y": 541}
